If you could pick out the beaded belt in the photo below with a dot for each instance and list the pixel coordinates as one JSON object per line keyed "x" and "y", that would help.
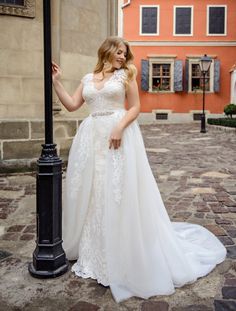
{"x": 101, "y": 113}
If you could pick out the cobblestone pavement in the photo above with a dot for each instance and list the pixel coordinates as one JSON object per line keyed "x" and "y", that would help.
{"x": 196, "y": 174}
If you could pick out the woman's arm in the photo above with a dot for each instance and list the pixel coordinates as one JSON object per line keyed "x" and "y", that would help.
{"x": 71, "y": 103}
{"x": 132, "y": 95}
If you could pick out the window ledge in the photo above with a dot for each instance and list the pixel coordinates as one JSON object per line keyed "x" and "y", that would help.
{"x": 161, "y": 56}
{"x": 200, "y": 92}
{"x": 191, "y": 56}
{"x": 149, "y": 34}
{"x": 161, "y": 92}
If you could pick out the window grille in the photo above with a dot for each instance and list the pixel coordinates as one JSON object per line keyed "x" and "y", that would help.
{"x": 197, "y": 116}
{"x": 161, "y": 116}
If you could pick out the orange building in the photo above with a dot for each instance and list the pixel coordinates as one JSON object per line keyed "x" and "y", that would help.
{"x": 168, "y": 38}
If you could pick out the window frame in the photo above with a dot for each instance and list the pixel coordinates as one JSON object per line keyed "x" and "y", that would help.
{"x": 141, "y": 20}
{"x": 208, "y": 19}
{"x": 174, "y": 20}
{"x": 28, "y": 10}
{"x": 196, "y": 60}
{"x": 160, "y": 61}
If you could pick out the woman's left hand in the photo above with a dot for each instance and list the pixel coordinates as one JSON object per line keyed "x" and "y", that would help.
{"x": 115, "y": 138}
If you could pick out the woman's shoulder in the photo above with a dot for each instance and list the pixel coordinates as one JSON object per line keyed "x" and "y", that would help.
{"x": 87, "y": 77}
{"x": 128, "y": 73}
{"x": 120, "y": 74}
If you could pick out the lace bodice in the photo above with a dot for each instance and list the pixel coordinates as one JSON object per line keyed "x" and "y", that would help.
{"x": 110, "y": 97}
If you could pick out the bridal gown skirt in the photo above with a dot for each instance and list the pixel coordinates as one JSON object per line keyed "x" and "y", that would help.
{"x": 114, "y": 221}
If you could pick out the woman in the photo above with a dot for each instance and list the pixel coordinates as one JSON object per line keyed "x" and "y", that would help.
{"x": 114, "y": 221}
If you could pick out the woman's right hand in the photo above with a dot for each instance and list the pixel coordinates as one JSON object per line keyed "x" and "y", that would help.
{"x": 56, "y": 72}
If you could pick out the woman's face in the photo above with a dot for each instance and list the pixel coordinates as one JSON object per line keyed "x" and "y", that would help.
{"x": 119, "y": 57}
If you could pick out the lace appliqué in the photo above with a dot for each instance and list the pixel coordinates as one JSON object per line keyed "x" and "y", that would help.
{"x": 88, "y": 77}
{"x": 107, "y": 109}
{"x": 83, "y": 147}
{"x": 92, "y": 255}
{"x": 119, "y": 76}
{"x": 117, "y": 176}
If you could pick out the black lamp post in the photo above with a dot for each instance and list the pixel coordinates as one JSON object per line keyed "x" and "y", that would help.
{"x": 49, "y": 259}
{"x": 205, "y": 63}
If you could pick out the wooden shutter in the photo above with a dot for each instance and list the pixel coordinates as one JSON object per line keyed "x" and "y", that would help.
{"x": 186, "y": 80}
{"x": 144, "y": 75}
{"x": 178, "y": 76}
{"x": 216, "y": 75}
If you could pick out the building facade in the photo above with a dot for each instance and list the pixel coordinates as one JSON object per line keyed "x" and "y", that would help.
{"x": 168, "y": 39}
{"x": 78, "y": 28}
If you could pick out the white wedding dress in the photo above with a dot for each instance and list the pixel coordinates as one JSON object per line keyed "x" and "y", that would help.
{"x": 114, "y": 221}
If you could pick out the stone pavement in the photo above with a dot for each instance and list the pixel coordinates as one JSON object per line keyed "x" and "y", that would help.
{"x": 196, "y": 175}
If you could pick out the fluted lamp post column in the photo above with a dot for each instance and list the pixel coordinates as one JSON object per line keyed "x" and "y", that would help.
{"x": 205, "y": 63}
{"x": 49, "y": 259}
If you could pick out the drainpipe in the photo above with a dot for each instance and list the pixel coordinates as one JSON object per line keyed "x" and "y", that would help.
{"x": 121, "y": 28}
{"x": 126, "y": 4}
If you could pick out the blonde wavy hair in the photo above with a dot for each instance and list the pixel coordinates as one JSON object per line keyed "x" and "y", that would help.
{"x": 106, "y": 55}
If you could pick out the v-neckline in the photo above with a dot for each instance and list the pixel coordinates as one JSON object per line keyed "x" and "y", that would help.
{"x": 94, "y": 85}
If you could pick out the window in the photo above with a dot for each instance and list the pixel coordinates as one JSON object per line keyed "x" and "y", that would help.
{"x": 161, "y": 74}
{"x": 12, "y": 2}
{"x": 161, "y": 77}
{"x": 216, "y": 20}
{"x": 24, "y": 8}
{"x": 183, "y": 20}
{"x": 149, "y": 20}
{"x": 195, "y": 80}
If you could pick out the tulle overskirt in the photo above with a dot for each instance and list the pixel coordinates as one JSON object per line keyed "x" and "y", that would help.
{"x": 146, "y": 253}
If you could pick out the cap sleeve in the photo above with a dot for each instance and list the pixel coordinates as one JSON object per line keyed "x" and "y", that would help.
{"x": 86, "y": 78}
{"x": 121, "y": 75}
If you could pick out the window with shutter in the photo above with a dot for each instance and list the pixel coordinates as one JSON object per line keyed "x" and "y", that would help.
{"x": 161, "y": 74}
{"x": 149, "y": 20}
{"x": 183, "y": 20}
{"x": 23, "y": 8}
{"x": 195, "y": 78}
{"x": 216, "y": 21}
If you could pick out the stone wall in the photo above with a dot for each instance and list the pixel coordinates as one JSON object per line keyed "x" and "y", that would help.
{"x": 21, "y": 66}
{"x": 20, "y": 142}
{"x": 78, "y": 28}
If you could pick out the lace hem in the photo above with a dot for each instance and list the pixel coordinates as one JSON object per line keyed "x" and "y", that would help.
{"x": 85, "y": 273}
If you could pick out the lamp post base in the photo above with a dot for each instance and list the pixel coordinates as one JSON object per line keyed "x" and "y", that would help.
{"x": 48, "y": 274}
{"x": 49, "y": 258}
{"x": 203, "y": 124}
